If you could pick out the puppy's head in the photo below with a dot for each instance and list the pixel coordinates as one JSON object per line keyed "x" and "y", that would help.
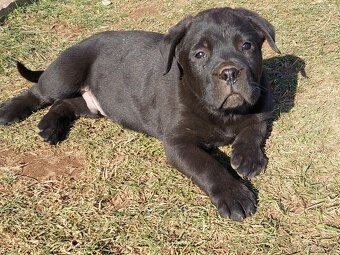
{"x": 219, "y": 52}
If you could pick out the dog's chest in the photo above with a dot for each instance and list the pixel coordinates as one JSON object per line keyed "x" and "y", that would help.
{"x": 219, "y": 137}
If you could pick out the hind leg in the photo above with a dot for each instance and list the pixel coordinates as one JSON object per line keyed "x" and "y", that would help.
{"x": 23, "y": 105}
{"x": 56, "y": 124}
{"x": 62, "y": 79}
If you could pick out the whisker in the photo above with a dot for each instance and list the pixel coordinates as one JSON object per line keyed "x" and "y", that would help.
{"x": 258, "y": 86}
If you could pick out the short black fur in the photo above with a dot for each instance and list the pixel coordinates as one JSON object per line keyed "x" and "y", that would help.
{"x": 196, "y": 88}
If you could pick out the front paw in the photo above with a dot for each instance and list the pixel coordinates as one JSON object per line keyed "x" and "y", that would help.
{"x": 235, "y": 202}
{"x": 247, "y": 161}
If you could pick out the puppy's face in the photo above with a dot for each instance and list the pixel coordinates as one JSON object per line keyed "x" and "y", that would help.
{"x": 226, "y": 62}
{"x": 220, "y": 54}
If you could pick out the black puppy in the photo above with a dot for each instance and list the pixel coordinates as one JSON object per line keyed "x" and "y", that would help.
{"x": 198, "y": 87}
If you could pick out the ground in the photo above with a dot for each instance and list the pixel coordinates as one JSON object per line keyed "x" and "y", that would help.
{"x": 107, "y": 190}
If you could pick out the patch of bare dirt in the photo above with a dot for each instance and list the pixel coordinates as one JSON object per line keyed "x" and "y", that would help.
{"x": 67, "y": 31}
{"x": 146, "y": 10}
{"x": 41, "y": 165}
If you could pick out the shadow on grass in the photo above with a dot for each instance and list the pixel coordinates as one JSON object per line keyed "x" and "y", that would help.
{"x": 282, "y": 75}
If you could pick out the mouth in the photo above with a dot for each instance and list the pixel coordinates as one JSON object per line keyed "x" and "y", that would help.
{"x": 232, "y": 101}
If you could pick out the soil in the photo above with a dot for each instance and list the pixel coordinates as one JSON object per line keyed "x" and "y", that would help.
{"x": 41, "y": 165}
{"x": 143, "y": 11}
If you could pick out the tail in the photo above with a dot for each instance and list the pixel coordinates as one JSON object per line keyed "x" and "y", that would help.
{"x": 29, "y": 75}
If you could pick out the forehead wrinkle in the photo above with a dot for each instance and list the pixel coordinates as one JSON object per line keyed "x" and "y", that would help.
{"x": 220, "y": 33}
{"x": 239, "y": 33}
{"x": 200, "y": 37}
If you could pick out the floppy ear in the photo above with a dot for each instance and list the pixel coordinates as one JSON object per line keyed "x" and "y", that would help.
{"x": 172, "y": 39}
{"x": 263, "y": 25}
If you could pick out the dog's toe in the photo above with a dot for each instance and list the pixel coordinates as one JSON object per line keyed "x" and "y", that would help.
{"x": 237, "y": 202}
{"x": 53, "y": 129}
{"x": 52, "y": 136}
{"x": 9, "y": 115}
{"x": 248, "y": 162}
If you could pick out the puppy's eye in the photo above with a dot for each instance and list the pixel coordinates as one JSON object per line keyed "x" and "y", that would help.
{"x": 200, "y": 54}
{"x": 246, "y": 46}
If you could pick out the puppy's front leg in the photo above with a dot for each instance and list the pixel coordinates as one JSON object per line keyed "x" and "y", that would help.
{"x": 247, "y": 158}
{"x": 232, "y": 198}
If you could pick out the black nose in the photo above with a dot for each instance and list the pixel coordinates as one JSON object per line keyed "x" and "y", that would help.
{"x": 230, "y": 74}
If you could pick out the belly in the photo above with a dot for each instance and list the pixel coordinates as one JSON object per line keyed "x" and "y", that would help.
{"x": 91, "y": 101}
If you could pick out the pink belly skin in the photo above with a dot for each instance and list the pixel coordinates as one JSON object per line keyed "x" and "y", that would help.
{"x": 91, "y": 101}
